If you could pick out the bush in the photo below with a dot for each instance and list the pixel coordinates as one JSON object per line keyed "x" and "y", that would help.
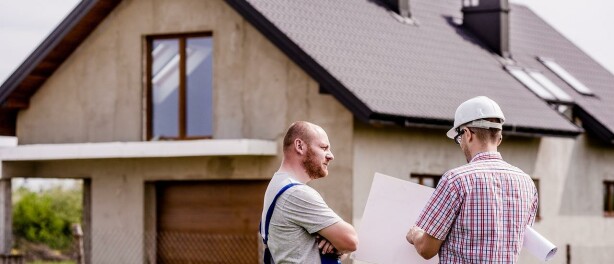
{"x": 46, "y": 217}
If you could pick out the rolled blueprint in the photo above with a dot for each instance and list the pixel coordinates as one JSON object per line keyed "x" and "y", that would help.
{"x": 538, "y": 245}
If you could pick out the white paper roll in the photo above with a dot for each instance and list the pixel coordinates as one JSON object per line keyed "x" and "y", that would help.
{"x": 538, "y": 245}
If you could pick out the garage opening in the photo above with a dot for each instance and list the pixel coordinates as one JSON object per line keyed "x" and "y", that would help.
{"x": 212, "y": 221}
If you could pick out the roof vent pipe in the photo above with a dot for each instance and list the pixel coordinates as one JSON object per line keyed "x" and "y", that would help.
{"x": 489, "y": 21}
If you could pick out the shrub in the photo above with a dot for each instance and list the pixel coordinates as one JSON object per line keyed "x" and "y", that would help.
{"x": 46, "y": 217}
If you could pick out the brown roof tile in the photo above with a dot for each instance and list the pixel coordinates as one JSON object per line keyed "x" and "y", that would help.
{"x": 421, "y": 71}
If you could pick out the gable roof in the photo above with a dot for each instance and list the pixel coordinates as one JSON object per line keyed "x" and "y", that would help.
{"x": 16, "y": 91}
{"x": 379, "y": 68}
{"x": 531, "y": 37}
{"x": 399, "y": 72}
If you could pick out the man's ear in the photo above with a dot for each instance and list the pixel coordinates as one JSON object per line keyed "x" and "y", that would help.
{"x": 299, "y": 146}
{"x": 468, "y": 134}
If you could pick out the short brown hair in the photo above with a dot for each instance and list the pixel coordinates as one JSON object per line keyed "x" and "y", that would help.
{"x": 299, "y": 129}
{"x": 488, "y": 134}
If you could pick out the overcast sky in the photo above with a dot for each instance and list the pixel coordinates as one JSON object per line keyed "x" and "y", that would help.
{"x": 25, "y": 23}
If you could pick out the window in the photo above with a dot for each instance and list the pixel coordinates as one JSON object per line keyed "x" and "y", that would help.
{"x": 539, "y": 85}
{"x": 550, "y": 86}
{"x": 566, "y": 76}
{"x": 538, "y": 214}
{"x": 608, "y": 198}
{"x": 180, "y": 82}
{"x": 425, "y": 179}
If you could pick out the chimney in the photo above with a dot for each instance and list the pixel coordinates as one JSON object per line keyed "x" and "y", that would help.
{"x": 489, "y": 20}
{"x": 400, "y": 7}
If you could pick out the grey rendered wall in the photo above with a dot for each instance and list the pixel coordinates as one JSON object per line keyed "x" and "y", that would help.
{"x": 97, "y": 95}
{"x": 571, "y": 174}
{"x": 570, "y": 171}
{"x": 399, "y": 152}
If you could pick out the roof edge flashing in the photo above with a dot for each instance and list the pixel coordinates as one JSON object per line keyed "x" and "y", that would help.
{"x": 382, "y": 120}
{"x": 44, "y": 48}
{"x": 593, "y": 126}
{"x": 302, "y": 59}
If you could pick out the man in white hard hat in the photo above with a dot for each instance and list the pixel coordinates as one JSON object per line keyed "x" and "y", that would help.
{"x": 479, "y": 211}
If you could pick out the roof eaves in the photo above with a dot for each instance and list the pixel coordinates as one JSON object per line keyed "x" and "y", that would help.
{"x": 50, "y": 43}
{"x": 302, "y": 59}
{"x": 508, "y": 129}
{"x": 540, "y": 132}
{"x": 593, "y": 126}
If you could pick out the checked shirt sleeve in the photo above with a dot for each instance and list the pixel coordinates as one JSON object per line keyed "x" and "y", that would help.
{"x": 441, "y": 210}
{"x": 534, "y": 206}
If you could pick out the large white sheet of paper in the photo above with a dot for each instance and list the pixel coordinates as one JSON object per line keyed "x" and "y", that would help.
{"x": 392, "y": 209}
{"x": 538, "y": 245}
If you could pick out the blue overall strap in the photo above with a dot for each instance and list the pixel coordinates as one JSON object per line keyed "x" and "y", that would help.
{"x": 269, "y": 213}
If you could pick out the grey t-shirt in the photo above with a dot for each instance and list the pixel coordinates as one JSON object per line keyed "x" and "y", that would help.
{"x": 299, "y": 214}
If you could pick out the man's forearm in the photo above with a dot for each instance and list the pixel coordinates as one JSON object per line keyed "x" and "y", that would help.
{"x": 426, "y": 245}
{"x": 342, "y": 235}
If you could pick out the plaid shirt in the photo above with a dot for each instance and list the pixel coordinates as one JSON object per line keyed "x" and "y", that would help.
{"x": 481, "y": 210}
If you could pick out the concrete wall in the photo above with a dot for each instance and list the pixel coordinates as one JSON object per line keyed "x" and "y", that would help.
{"x": 570, "y": 172}
{"x": 118, "y": 196}
{"x": 97, "y": 95}
{"x": 399, "y": 152}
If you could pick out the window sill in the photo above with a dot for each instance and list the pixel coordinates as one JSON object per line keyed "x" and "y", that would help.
{"x": 147, "y": 149}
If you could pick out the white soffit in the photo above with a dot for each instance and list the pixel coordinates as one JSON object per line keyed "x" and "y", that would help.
{"x": 6, "y": 141}
{"x": 146, "y": 149}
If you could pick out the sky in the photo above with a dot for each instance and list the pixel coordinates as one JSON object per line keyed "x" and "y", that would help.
{"x": 587, "y": 23}
{"x": 25, "y": 23}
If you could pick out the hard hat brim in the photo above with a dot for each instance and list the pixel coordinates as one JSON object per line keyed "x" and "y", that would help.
{"x": 451, "y": 133}
{"x": 475, "y": 123}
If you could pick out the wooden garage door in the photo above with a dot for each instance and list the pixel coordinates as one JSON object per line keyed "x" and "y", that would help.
{"x": 208, "y": 221}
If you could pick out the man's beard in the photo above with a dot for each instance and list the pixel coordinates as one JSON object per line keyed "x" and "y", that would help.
{"x": 313, "y": 167}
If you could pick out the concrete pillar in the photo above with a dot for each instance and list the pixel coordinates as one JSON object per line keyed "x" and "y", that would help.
{"x": 87, "y": 220}
{"x": 6, "y": 216}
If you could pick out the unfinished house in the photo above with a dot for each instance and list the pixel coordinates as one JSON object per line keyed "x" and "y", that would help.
{"x": 173, "y": 113}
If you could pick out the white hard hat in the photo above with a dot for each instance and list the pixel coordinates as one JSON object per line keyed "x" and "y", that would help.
{"x": 475, "y": 109}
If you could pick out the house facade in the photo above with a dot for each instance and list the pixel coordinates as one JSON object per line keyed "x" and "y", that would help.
{"x": 173, "y": 113}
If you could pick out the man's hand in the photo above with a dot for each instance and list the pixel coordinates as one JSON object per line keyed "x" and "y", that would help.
{"x": 426, "y": 245}
{"x": 410, "y": 234}
{"x": 325, "y": 246}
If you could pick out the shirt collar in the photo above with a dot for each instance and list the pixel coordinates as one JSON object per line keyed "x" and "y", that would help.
{"x": 486, "y": 156}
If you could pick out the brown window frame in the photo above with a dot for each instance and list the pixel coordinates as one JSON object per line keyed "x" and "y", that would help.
{"x": 421, "y": 177}
{"x": 182, "y": 38}
{"x": 608, "y": 207}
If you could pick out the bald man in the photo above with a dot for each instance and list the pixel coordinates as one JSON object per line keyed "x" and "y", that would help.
{"x": 301, "y": 225}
